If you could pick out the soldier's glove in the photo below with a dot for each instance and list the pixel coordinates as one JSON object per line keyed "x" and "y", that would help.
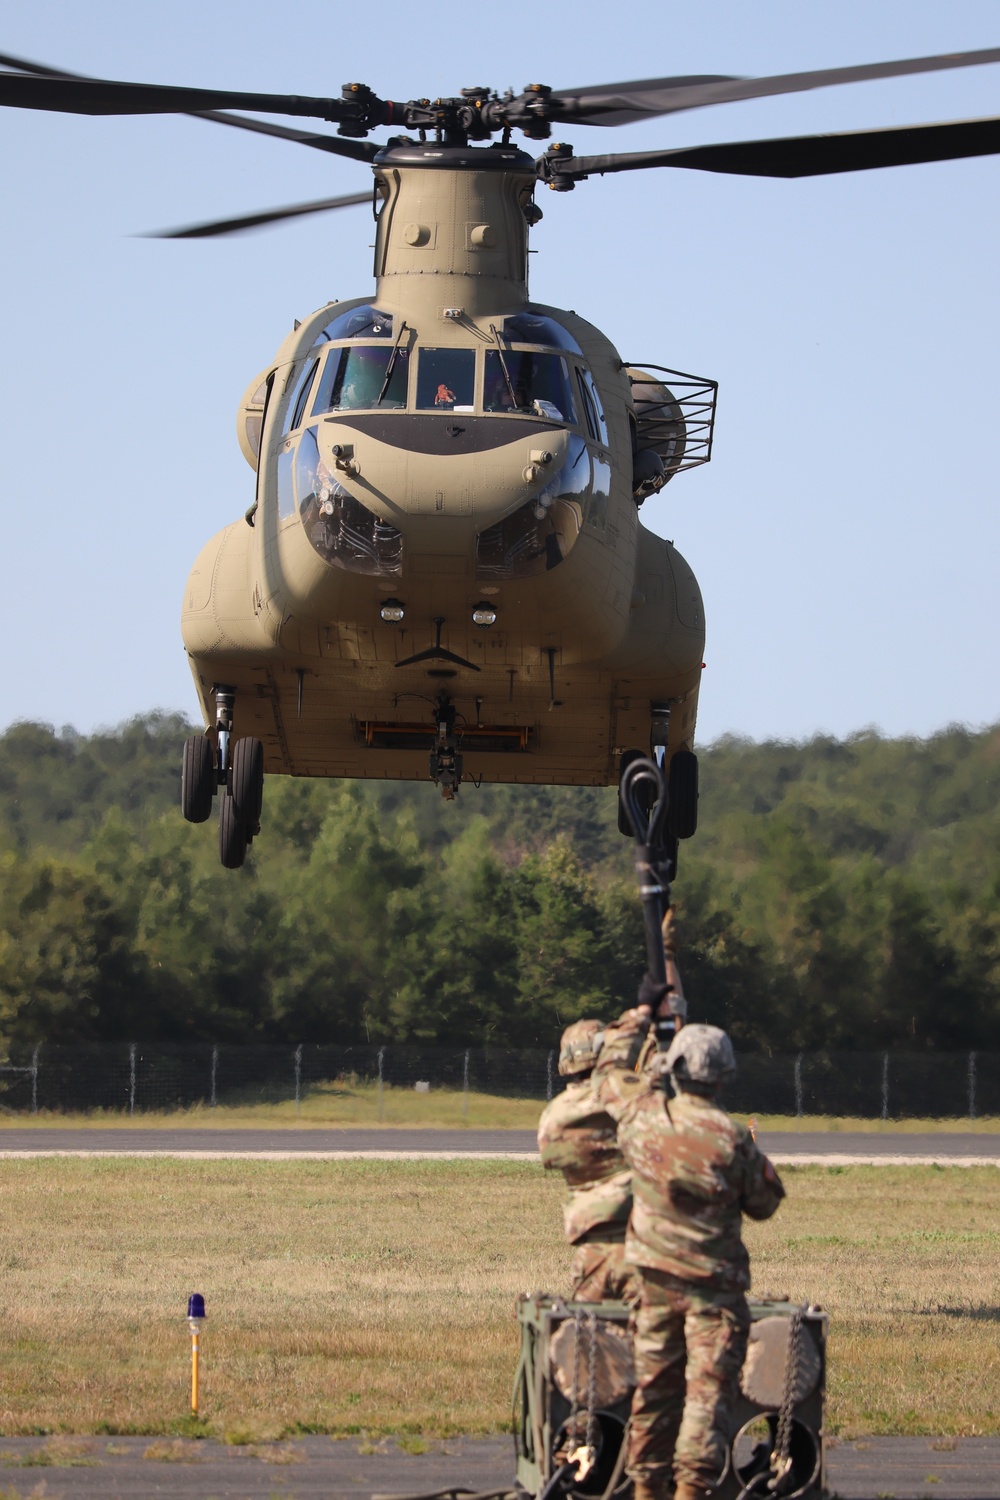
{"x": 651, "y": 992}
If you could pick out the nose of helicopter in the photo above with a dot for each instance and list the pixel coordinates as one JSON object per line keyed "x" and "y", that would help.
{"x": 455, "y": 465}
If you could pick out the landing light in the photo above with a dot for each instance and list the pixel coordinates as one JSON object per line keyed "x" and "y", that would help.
{"x": 392, "y": 612}
{"x": 484, "y": 615}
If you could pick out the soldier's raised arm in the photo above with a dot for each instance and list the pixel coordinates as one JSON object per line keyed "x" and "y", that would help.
{"x": 615, "y": 1077}
{"x": 761, "y": 1188}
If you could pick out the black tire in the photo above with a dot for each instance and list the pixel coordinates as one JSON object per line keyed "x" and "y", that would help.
{"x": 232, "y": 836}
{"x": 198, "y": 778}
{"x": 624, "y": 824}
{"x": 247, "y": 782}
{"x": 682, "y": 788}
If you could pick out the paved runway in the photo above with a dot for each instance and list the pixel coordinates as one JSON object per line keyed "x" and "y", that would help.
{"x": 832, "y": 1147}
{"x": 308, "y": 1468}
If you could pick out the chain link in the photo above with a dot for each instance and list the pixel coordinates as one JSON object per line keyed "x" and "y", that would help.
{"x": 585, "y": 1453}
{"x": 574, "y": 1415}
{"x": 780, "y": 1455}
{"x": 592, "y": 1388}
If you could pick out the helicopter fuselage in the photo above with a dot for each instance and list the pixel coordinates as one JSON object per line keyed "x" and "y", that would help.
{"x": 445, "y": 512}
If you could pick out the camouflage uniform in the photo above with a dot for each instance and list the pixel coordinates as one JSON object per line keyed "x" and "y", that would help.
{"x": 694, "y": 1172}
{"x": 577, "y": 1136}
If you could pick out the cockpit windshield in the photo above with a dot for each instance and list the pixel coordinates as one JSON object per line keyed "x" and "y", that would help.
{"x": 534, "y": 328}
{"x": 362, "y": 377}
{"x": 518, "y": 380}
{"x": 359, "y": 323}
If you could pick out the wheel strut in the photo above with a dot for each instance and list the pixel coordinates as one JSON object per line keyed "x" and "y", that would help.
{"x": 225, "y": 698}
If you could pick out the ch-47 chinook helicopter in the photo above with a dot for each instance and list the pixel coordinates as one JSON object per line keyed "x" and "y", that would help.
{"x": 444, "y": 553}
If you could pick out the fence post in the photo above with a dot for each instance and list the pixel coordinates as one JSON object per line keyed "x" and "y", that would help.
{"x": 34, "y": 1078}
{"x": 798, "y": 1086}
{"x": 972, "y": 1085}
{"x": 131, "y": 1078}
{"x": 215, "y": 1069}
{"x": 548, "y": 1075}
{"x": 885, "y": 1085}
{"x": 465, "y": 1086}
{"x": 381, "y": 1054}
{"x": 298, "y": 1079}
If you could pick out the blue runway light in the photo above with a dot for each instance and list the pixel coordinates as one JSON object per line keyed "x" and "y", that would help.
{"x": 196, "y": 1305}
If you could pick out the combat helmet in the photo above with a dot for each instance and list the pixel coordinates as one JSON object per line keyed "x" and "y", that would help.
{"x": 579, "y": 1047}
{"x": 700, "y": 1055}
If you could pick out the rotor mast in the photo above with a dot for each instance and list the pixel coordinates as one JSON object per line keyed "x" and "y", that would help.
{"x": 452, "y": 239}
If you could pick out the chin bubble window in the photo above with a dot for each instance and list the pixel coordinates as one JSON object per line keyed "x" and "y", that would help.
{"x": 446, "y": 380}
{"x": 363, "y": 377}
{"x": 519, "y": 380}
{"x": 536, "y": 538}
{"x": 344, "y": 532}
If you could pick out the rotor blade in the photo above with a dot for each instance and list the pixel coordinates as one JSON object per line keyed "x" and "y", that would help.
{"x": 810, "y": 155}
{"x": 336, "y": 145}
{"x": 623, "y": 103}
{"x": 95, "y": 96}
{"x": 255, "y": 221}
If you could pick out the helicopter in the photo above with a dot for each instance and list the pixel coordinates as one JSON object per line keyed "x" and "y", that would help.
{"x": 443, "y": 557}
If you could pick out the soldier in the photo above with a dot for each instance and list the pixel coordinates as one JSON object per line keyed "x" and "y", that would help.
{"x": 577, "y": 1136}
{"x": 694, "y": 1172}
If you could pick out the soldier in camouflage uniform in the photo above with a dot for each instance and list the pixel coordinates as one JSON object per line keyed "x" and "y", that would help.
{"x": 577, "y": 1136}
{"x": 694, "y": 1172}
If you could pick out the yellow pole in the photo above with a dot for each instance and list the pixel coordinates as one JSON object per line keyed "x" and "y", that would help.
{"x": 196, "y": 1318}
{"x": 194, "y": 1371}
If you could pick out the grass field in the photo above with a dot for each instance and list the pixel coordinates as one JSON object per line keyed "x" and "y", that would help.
{"x": 368, "y": 1297}
{"x": 347, "y": 1103}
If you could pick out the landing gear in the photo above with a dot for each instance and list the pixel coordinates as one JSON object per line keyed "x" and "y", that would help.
{"x": 233, "y": 767}
{"x": 446, "y": 763}
{"x": 642, "y": 794}
{"x": 232, "y": 835}
{"x": 198, "y": 779}
{"x": 246, "y": 781}
{"x": 624, "y": 825}
{"x": 682, "y": 791}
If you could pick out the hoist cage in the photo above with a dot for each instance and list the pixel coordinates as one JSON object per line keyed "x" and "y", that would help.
{"x": 574, "y": 1387}
{"x": 674, "y": 415}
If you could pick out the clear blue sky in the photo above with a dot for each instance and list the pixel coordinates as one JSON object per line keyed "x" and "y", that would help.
{"x": 845, "y": 534}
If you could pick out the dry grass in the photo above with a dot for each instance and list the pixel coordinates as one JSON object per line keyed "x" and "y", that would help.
{"x": 347, "y": 1102}
{"x": 340, "y": 1103}
{"x": 365, "y": 1297}
{"x": 907, "y": 1262}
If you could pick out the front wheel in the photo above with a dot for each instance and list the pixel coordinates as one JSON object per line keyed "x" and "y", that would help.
{"x": 232, "y": 836}
{"x": 197, "y": 778}
{"x": 682, "y": 790}
{"x": 247, "y": 782}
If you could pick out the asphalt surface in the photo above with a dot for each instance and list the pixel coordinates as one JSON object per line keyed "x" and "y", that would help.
{"x": 307, "y": 1468}
{"x": 788, "y": 1146}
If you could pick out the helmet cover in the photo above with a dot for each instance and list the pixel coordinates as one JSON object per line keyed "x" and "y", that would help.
{"x": 701, "y": 1054}
{"x": 579, "y": 1047}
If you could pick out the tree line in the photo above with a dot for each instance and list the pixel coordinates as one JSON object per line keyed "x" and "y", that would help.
{"x": 838, "y": 894}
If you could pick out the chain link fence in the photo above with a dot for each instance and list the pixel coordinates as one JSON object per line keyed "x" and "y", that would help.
{"x": 136, "y": 1077}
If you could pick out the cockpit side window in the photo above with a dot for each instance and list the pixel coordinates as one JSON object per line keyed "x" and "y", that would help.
{"x": 298, "y": 397}
{"x": 535, "y": 328}
{"x": 446, "y": 380}
{"x": 362, "y": 377}
{"x": 521, "y": 380}
{"x": 300, "y": 405}
{"x": 359, "y": 323}
{"x": 596, "y": 423}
